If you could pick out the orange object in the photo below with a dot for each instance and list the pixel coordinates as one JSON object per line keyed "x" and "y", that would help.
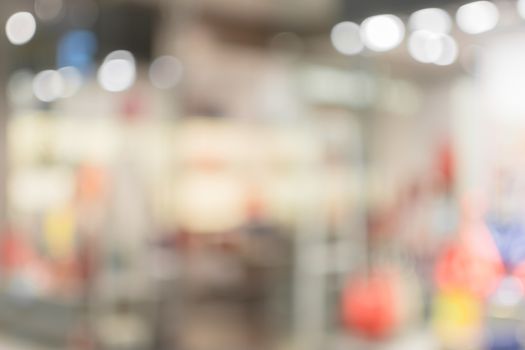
{"x": 91, "y": 183}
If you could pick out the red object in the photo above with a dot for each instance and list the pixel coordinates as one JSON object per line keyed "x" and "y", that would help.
{"x": 445, "y": 165}
{"x": 459, "y": 268}
{"x": 473, "y": 262}
{"x": 133, "y": 106}
{"x": 15, "y": 252}
{"x": 370, "y": 305}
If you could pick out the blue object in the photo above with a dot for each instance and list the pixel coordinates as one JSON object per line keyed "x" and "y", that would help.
{"x": 77, "y": 48}
{"x": 503, "y": 341}
{"x": 509, "y": 237}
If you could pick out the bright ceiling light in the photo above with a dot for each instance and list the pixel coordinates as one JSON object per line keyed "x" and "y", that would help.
{"x": 118, "y": 72}
{"x": 346, "y": 38}
{"x": 429, "y": 47}
{"x": 165, "y": 72}
{"x": 49, "y": 10}
{"x": 48, "y": 86}
{"x": 449, "y": 51}
{"x": 425, "y": 46}
{"x": 382, "y": 32}
{"x": 431, "y": 19}
{"x": 20, "y": 28}
{"x": 477, "y": 17}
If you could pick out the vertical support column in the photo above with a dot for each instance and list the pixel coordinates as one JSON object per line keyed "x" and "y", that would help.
{"x": 351, "y": 248}
{"x": 310, "y": 251}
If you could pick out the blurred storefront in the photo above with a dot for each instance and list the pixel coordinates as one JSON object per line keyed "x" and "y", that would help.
{"x": 266, "y": 175}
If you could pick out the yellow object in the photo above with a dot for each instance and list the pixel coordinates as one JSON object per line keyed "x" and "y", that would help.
{"x": 457, "y": 317}
{"x": 59, "y": 233}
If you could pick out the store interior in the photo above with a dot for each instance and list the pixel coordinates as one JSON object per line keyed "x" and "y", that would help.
{"x": 267, "y": 175}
